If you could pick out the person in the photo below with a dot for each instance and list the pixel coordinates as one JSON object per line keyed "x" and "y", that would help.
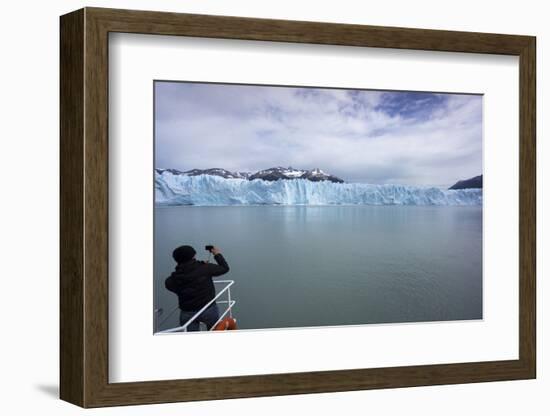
{"x": 192, "y": 282}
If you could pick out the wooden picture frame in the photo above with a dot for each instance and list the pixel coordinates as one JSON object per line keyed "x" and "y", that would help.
{"x": 84, "y": 207}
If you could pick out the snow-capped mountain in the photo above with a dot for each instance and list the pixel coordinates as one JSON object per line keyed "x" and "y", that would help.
{"x": 212, "y": 171}
{"x": 271, "y": 174}
{"x": 224, "y": 173}
{"x": 317, "y": 175}
{"x": 172, "y": 171}
{"x": 274, "y": 174}
{"x": 205, "y": 189}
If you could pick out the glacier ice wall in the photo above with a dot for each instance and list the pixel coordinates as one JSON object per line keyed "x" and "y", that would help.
{"x": 213, "y": 190}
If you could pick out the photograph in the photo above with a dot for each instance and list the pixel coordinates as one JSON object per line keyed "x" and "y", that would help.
{"x": 339, "y": 205}
{"x": 279, "y": 207}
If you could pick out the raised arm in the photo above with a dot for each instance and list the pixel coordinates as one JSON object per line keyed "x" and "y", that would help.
{"x": 218, "y": 269}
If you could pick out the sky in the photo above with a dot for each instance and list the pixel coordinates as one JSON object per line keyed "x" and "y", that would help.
{"x": 368, "y": 136}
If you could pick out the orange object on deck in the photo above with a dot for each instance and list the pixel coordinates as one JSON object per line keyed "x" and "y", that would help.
{"x": 226, "y": 324}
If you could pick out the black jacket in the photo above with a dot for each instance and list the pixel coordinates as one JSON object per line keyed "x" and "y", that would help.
{"x": 192, "y": 282}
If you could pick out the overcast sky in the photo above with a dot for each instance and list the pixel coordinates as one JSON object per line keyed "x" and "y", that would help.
{"x": 361, "y": 136}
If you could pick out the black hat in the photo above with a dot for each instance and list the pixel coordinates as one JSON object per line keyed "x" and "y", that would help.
{"x": 183, "y": 254}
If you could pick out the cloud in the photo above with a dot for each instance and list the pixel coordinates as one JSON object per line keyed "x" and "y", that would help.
{"x": 411, "y": 138}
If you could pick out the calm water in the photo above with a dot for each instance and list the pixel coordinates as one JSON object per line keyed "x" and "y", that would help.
{"x": 299, "y": 266}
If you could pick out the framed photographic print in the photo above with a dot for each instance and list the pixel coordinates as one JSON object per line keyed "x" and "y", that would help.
{"x": 255, "y": 207}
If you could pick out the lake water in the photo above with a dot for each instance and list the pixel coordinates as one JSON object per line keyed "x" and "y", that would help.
{"x": 301, "y": 266}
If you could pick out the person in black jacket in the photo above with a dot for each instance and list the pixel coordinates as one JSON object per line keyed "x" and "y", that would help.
{"x": 192, "y": 282}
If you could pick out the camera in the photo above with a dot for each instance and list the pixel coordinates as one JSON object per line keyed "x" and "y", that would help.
{"x": 208, "y": 248}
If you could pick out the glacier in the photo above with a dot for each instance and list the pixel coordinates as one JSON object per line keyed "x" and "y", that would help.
{"x": 208, "y": 190}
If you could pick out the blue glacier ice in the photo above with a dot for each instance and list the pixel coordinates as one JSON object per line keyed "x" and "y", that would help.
{"x": 173, "y": 189}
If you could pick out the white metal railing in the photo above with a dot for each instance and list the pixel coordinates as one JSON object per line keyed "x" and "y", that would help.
{"x": 230, "y": 303}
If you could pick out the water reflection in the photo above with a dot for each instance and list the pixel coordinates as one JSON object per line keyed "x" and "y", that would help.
{"x": 334, "y": 265}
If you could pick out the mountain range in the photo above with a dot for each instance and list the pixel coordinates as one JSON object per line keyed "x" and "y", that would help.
{"x": 313, "y": 175}
{"x": 271, "y": 174}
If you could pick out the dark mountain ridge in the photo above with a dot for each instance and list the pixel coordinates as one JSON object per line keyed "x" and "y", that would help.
{"x": 473, "y": 183}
